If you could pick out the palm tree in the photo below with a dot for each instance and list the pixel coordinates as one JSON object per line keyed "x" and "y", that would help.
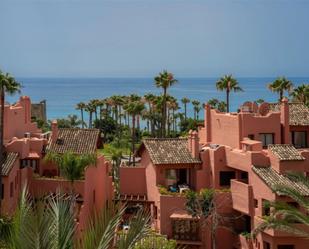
{"x": 116, "y": 155}
{"x": 196, "y": 108}
{"x": 71, "y": 166}
{"x": 217, "y": 104}
{"x": 91, "y": 109}
{"x": 173, "y": 105}
{"x": 49, "y": 223}
{"x": 101, "y": 231}
{"x": 228, "y": 83}
{"x": 185, "y": 101}
{"x": 259, "y": 101}
{"x": 149, "y": 99}
{"x": 95, "y": 103}
{"x": 280, "y": 85}
{"x": 134, "y": 109}
{"x": 164, "y": 80}
{"x": 74, "y": 121}
{"x": 213, "y": 103}
{"x": 301, "y": 94}
{"x": 221, "y": 106}
{"x": 284, "y": 216}
{"x": 8, "y": 85}
{"x": 81, "y": 106}
{"x": 157, "y": 115}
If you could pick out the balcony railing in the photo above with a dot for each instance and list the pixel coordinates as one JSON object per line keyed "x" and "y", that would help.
{"x": 185, "y": 229}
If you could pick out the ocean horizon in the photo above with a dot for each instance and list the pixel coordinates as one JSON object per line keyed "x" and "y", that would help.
{"x": 63, "y": 93}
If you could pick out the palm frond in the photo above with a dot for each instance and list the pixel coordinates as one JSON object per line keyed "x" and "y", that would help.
{"x": 62, "y": 226}
{"x": 101, "y": 229}
{"x": 139, "y": 229}
{"x": 292, "y": 193}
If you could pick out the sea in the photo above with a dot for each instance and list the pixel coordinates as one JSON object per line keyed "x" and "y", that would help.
{"x": 62, "y": 94}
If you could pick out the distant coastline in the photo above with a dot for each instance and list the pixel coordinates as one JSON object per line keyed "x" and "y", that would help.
{"x": 63, "y": 93}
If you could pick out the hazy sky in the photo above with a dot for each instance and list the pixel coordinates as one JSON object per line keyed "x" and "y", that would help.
{"x": 140, "y": 38}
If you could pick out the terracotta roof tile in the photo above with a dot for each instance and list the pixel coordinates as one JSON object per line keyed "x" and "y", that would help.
{"x": 299, "y": 113}
{"x": 75, "y": 140}
{"x": 8, "y": 163}
{"x": 273, "y": 178}
{"x": 169, "y": 151}
{"x": 285, "y": 152}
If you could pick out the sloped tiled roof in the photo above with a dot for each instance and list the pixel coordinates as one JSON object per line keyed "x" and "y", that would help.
{"x": 8, "y": 162}
{"x": 272, "y": 178}
{"x": 285, "y": 152}
{"x": 299, "y": 113}
{"x": 169, "y": 151}
{"x": 75, "y": 140}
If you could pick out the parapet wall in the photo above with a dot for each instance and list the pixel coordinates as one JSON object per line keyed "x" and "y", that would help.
{"x": 133, "y": 180}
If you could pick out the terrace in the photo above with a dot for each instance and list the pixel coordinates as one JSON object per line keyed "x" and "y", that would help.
{"x": 177, "y": 180}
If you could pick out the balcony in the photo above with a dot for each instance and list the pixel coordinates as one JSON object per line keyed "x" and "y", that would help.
{"x": 185, "y": 228}
{"x": 241, "y": 196}
{"x": 177, "y": 180}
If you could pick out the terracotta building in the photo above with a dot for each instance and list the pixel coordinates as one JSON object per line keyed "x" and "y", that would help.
{"x": 24, "y": 162}
{"x": 246, "y": 152}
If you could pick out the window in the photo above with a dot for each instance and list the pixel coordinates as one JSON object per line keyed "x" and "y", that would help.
{"x": 251, "y": 136}
{"x": 155, "y": 212}
{"x": 11, "y": 190}
{"x": 225, "y": 177}
{"x": 244, "y": 177}
{"x": 299, "y": 139}
{"x": 266, "y": 139}
{"x": 266, "y": 245}
{"x": 2, "y": 192}
{"x": 285, "y": 247}
{"x": 256, "y": 203}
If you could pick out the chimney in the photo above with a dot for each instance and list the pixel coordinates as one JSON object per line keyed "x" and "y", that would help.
{"x": 195, "y": 144}
{"x": 207, "y": 122}
{"x": 190, "y": 140}
{"x": 54, "y": 130}
{"x": 285, "y": 121}
{"x": 26, "y": 103}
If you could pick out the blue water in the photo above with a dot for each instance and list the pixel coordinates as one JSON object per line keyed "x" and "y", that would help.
{"x": 62, "y": 94}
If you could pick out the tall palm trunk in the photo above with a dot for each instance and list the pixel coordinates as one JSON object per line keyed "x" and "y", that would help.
{"x": 280, "y": 95}
{"x": 168, "y": 122}
{"x": 185, "y": 111}
{"x": 100, "y": 110}
{"x": 227, "y": 100}
{"x": 174, "y": 122}
{"x": 164, "y": 114}
{"x": 1, "y": 141}
{"x": 133, "y": 138}
{"x": 90, "y": 120}
{"x": 82, "y": 115}
{"x": 116, "y": 113}
{"x": 151, "y": 120}
{"x": 148, "y": 128}
{"x": 96, "y": 114}
{"x": 107, "y": 111}
{"x": 138, "y": 122}
{"x": 119, "y": 113}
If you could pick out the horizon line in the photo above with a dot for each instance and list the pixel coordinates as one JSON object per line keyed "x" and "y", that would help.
{"x": 147, "y": 77}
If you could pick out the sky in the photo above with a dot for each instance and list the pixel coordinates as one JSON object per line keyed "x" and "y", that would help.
{"x": 139, "y": 38}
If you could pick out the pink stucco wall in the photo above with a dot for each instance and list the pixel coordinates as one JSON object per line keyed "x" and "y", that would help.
{"x": 17, "y": 119}
{"x": 133, "y": 180}
{"x": 9, "y": 201}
